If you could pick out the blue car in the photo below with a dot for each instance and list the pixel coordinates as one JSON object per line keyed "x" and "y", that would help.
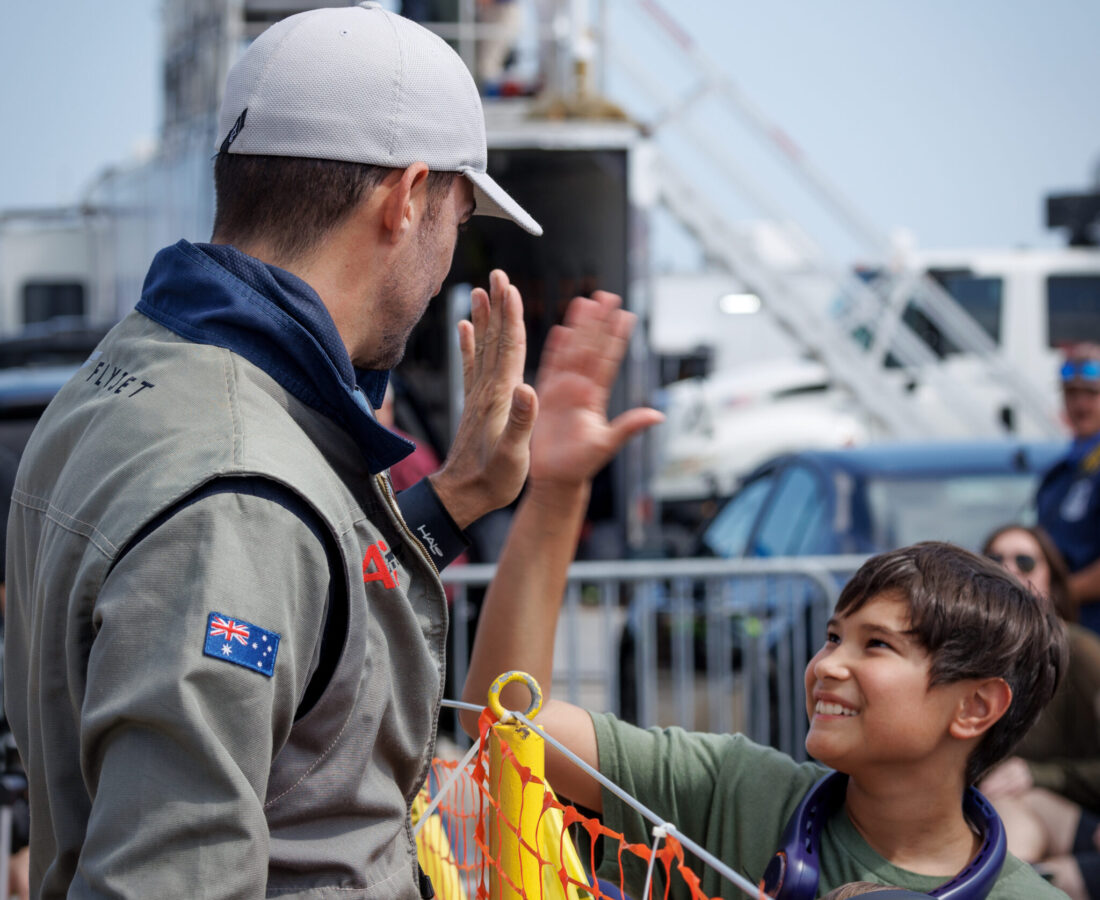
{"x": 870, "y": 499}
{"x": 34, "y": 365}
{"x": 24, "y": 393}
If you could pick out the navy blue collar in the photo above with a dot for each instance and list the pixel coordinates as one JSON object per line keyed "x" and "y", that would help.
{"x": 1082, "y": 447}
{"x": 215, "y": 294}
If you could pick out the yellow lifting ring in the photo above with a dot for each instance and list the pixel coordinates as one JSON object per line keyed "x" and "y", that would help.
{"x": 507, "y": 678}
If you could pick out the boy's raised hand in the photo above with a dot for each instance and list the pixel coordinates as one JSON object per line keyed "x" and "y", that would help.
{"x": 573, "y": 438}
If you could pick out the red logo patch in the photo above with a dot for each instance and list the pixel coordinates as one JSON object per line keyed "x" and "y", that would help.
{"x": 377, "y": 567}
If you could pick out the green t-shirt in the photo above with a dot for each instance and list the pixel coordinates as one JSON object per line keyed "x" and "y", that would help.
{"x": 734, "y": 798}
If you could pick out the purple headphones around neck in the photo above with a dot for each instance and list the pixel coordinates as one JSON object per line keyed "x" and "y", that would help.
{"x": 794, "y": 870}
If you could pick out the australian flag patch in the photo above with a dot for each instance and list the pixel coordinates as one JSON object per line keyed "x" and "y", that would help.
{"x": 240, "y": 642}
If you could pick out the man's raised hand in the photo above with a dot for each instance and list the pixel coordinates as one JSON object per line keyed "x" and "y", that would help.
{"x": 488, "y": 460}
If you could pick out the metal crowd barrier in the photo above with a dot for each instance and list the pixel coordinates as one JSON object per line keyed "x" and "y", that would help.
{"x": 706, "y": 644}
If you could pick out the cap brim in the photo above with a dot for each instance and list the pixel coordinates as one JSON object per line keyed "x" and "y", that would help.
{"x": 490, "y": 199}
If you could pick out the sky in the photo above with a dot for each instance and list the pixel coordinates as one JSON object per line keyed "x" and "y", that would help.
{"x": 948, "y": 119}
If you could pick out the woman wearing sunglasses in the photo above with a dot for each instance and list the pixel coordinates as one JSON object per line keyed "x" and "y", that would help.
{"x": 1048, "y": 793}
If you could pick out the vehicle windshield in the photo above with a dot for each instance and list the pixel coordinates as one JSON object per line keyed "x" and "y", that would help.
{"x": 962, "y": 509}
{"x": 1073, "y": 308}
{"x": 979, "y": 296}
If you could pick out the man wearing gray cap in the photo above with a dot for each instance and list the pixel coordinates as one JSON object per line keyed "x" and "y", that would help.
{"x": 226, "y": 634}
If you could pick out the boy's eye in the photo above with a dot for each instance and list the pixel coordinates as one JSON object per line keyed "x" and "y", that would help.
{"x": 831, "y": 637}
{"x": 878, "y": 642}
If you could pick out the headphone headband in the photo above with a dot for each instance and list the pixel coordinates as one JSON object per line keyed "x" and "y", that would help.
{"x": 794, "y": 871}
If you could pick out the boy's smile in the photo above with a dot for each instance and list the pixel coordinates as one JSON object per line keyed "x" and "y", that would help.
{"x": 867, "y": 692}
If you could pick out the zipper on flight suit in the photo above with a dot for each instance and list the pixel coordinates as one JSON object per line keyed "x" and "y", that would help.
{"x": 424, "y": 883}
{"x": 391, "y": 498}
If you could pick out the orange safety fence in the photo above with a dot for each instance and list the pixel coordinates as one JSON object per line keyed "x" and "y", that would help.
{"x": 476, "y": 850}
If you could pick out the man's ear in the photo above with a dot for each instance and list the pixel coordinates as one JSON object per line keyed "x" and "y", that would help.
{"x": 399, "y": 210}
{"x": 980, "y": 708}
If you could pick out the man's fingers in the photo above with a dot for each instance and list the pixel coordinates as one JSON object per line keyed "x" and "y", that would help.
{"x": 498, "y": 294}
{"x": 466, "y": 346}
{"x": 479, "y": 315}
{"x": 512, "y": 343}
{"x": 521, "y": 416}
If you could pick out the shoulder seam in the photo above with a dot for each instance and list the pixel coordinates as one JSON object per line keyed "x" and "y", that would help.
{"x": 233, "y": 399}
{"x": 67, "y": 521}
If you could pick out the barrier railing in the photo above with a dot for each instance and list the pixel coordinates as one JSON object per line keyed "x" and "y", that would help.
{"x": 491, "y": 828}
{"x": 707, "y": 644}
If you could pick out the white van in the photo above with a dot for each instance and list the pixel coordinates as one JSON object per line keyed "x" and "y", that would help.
{"x": 1031, "y": 302}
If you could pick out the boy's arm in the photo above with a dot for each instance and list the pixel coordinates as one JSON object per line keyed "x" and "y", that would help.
{"x": 572, "y": 440}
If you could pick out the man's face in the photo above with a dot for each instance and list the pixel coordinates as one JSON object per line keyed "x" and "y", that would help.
{"x": 1082, "y": 408}
{"x": 418, "y": 274}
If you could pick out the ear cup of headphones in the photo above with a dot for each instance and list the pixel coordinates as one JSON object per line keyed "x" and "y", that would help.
{"x": 794, "y": 871}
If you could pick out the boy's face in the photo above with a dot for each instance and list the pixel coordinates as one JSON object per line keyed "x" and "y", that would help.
{"x": 867, "y": 693}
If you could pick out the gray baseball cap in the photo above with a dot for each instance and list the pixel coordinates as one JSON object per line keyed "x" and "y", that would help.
{"x": 361, "y": 84}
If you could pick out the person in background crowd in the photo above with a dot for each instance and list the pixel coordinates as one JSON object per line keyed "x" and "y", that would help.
{"x": 1056, "y": 767}
{"x": 421, "y": 463}
{"x": 1068, "y": 499}
{"x": 424, "y": 12}
{"x": 494, "y": 52}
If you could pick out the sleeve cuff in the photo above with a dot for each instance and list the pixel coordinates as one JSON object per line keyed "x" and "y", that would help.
{"x": 433, "y": 526}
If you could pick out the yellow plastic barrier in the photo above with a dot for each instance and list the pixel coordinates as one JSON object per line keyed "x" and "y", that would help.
{"x": 506, "y": 838}
{"x": 434, "y": 851}
{"x": 532, "y": 846}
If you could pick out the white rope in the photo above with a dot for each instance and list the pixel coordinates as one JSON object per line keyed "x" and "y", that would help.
{"x": 709, "y": 858}
{"x": 660, "y": 832}
{"x": 445, "y": 788}
{"x": 667, "y": 827}
{"x": 460, "y": 704}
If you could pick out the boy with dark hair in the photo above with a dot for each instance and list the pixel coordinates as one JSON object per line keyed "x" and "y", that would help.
{"x": 973, "y": 624}
{"x": 935, "y": 663}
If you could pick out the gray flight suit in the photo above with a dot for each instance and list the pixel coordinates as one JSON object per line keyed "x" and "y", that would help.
{"x": 157, "y": 770}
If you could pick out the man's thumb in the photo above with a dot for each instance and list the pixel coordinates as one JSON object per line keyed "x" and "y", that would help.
{"x": 522, "y": 415}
